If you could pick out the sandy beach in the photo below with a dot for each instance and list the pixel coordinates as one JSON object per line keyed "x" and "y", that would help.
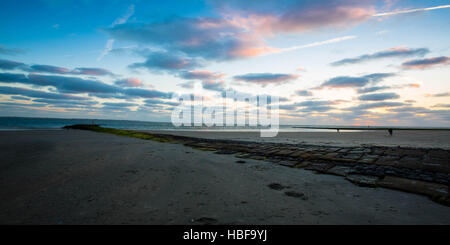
{"x": 82, "y": 177}
{"x": 403, "y": 138}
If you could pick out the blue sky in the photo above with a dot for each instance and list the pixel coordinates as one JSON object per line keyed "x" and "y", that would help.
{"x": 333, "y": 62}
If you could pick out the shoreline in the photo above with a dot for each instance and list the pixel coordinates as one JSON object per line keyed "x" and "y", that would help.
{"x": 439, "y": 139}
{"x": 85, "y": 177}
{"x": 417, "y": 170}
{"x": 404, "y": 138}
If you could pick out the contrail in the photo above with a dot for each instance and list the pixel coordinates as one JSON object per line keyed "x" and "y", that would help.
{"x": 339, "y": 39}
{"x": 108, "y": 48}
{"x": 314, "y": 44}
{"x": 118, "y": 21}
{"x": 411, "y": 11}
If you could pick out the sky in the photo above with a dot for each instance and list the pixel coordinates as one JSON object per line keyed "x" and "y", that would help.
{"x": 334, "y": 62}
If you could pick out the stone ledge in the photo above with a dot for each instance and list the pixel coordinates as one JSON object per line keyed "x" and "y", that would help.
{"x": 363, "y": 180}
{"x": 433, "y": 190}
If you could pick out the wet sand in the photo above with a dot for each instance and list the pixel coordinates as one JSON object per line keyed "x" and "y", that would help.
{"x": 82, "y": 177}
{"x": 403, "y": 138}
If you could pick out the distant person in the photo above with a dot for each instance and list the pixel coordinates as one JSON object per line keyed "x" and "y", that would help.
{"x": 390, "y": 131}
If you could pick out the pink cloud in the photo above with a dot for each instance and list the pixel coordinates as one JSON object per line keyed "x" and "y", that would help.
{"x": 241, "y": 30}
{"x": 414, "y": 85}
{"x": 300, "y": 69}
{"x": 301, "y": 18}
{"x": 336, "y": 16}
{"x": 129, "y": 82}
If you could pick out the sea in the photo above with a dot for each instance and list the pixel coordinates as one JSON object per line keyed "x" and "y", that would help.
{"x": 35, "y": 123}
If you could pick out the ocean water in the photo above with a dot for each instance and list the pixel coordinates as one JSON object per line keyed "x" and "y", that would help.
{"x": 30, "y": 123}
{"x": 18, "y": 123}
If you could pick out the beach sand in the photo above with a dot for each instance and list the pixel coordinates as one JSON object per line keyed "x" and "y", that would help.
{"x": 403, "y": 138}
{"x": 82, "y": 177}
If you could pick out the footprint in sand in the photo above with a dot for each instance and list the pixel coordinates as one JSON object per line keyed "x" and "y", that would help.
{"x": 278, "y": 187}
{"x": 296, "y": 195}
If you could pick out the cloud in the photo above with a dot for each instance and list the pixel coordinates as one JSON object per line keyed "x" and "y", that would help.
{"x": 303, "y": 93}
{"x": 208, "y": 38}
{"x": 376, "y": 105}
{"x": 129, "y": 82}
{"x": 59, "y": 102}
{"x": 417, "y": 113}
{"x": 426, "y": 63}
{"x": 372, "y": 89}
{"x": 15, "y": 97}
{"x": 121, "y": 20}
{"x": 297, "y": 16}
{"x": 354, "y": 82}
{"x": 211, "y": 38}
{"x": 38, "y": 94}
{"x": 445, "y": 94}
{"x": 201, "y": 75}
{"x": 119, "y": 104}
{"x": 314, "y": 44}
{"x": 268, "y": 96}
{"x": 72, "y": 84}
{"x": 412, "y": 85}
{"x": 316, "y": 109}
{"x": 21, "y": 104}
{"x": 13, "y": 78}
{"x": 146, "y": 93}
{"x": 152, "y": 102}
{"x": 264, "y": 79}
{"x": 237, "y": 32}
{"x": 392, "y": 52}
{"x": 315, "y": 106}
{"x": 110, "y": 96}
{"x": 10, "y": 51}
{"x": 289, "y": 107}
{"x": 377, "y": 88}
{"x": 442, "y": 105}
{"x": 188, "y": 85}
{"x": 108, "y": 47}
{"x": 92, "y": 71}
{"x": 11, "y": 65}
{"x": 65, "y": 84}
{"x": 310, "y": 106}
{"x": 314, "y": 103}
{"x": 125, "y": 17}
{"x": 410, "y": 109}
{"x": 49, "y": 69}
{"x": 406, "y": 11}
{"x": 378, "y": 97}
{"x": 214, "y": 85}
{"x": 210, "y": 80}
{"x": 167, "y": 61}
{"x": 115, "y": 108}
{"x": 65, "y": 71}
